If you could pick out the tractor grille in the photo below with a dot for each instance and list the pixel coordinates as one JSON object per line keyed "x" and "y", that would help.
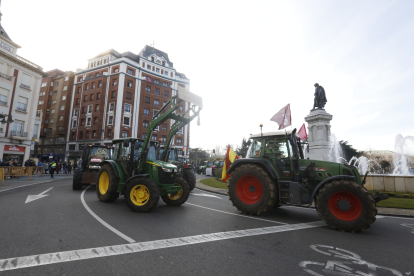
{"x": 165, "y": 177}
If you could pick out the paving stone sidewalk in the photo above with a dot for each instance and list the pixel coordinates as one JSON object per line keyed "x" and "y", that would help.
{"x": 381, "y": 210}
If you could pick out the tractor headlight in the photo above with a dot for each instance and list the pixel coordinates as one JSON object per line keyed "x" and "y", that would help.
{"x": 167, "y": 170}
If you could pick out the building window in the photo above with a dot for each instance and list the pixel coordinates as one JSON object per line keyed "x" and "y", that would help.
{"x": 88, "y": 121}
{"x": 73, "y": 138}
{"x": 127, "y": 108}
{"x": 63, "y": 98}
{"x": 116, "y": 70}
{"x": 93, "y": 85}
{"x": 154, "y": 137}
{"x": 164, "y": 127}
{"x": 166, "y": 93}
{"x": 180, "y": 130}
{"x": 75, "y": 112}
{"x": 42, "y": 93}
{"x": 110, "y": 120}
{"x": 61, "y": 118}
{"x": 157, "y": 70}
{"x": 152, "y": 59}
{"x": 74, "y": 123}
{"x": 146, "y": 111}
{"x": 163, "y": 63}
{"x": 124, "y": 133}
{"x": 114, "y": 82}
{"x": 90, "y": 108}
{"x": 50, "y": 93}
{"x": 94, "y": 134}
{"x": 52, "y": 111}
{"x": 39, "y": 103}
{"x": 156, "y": 102}
{"x": 53, "y": 102}
{"x": 87, "y": 134}
{"x": 154, "y": 112}
{"x": 181, "y": 108}
{"x": 165, "y": 84}
{"x": 113, "y": 95}
{"x": 66, "y": 78}
{"x": 43, "y": 84}
{"x": 164, "y": 138}
{"x": 47, "y": 111}
{"x": 148, "y": 88}
{"x": 157, "y": 91}
{"x": 145, "y": 124}
{"x": 65, "y": 88}
{"x": 166, "y": 73}
{"x": 97, "y": 108}
{"x": 156, "y": 82}
{"x": 148, "y": 67}
{"x": 87, "y": 86}
{"x": 49, "y": 130}
{"x": 178, "y": 140}
{"x": 147, "y": 100}
{"x": 95, "y": 120}
{"x": 82, "y": 122}
{"x": 80, "y": 135}
{"x": 98, "y": 96}
{"x": 99, "y": 83}
{"x": 129, "y": 84}
{"x": 130, "y": 72}
{"x": 111, "y": 107}
{"x": 128, "y": 95}
{"x": 62, "y": 107}
{"x": 109, "y": 133}
{"x": 59, "y": 129}
{"x": 77, "y": 101}
{"x": 52, "y": 121}
{"x": 144, "y": 135}
{"x": 127, "y": 121}
{"x": 85, "y": 98}
{"x": 84, "y": 110}
{"x": 79, "y": 90}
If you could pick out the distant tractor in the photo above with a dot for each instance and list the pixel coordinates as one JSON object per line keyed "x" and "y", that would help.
{"x": 218, "y": 164}
{"x": 87, "y": 172}
{"x": 134, "y": 170}
{"x": 276, "y": 174}
{"x": 207, "y": 164}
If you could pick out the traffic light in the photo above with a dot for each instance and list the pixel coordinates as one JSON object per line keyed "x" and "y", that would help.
{"x": 214, "y": 151}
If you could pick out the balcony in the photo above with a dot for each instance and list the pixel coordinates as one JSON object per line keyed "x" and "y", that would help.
{"x": 4, "y": 76}
{"x": 34, "y": 136}
{"x": 19, "y": 135}
{"x": 21, "y": 109}
{"x": 3, "y": 103}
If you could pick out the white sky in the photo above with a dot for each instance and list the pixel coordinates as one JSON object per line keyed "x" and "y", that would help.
{"x": 247, "y": 59}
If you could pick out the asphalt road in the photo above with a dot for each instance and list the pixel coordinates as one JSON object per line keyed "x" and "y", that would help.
{"x": 71, "y": 233}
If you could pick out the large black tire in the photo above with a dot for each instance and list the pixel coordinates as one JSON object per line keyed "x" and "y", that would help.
{"x": 190, "y": 177}
{"x": 107, "y": 184}
{"x": 181, "y": 197}
{"x": 203, "y": 171}
{"x": 77, "y": 179}
{"x": 251, "y": 189}
{"x": 346, "y": 206}
{"x": 142, "y": 194}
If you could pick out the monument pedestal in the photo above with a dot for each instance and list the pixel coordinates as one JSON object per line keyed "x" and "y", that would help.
{"x": 319, "y": 134}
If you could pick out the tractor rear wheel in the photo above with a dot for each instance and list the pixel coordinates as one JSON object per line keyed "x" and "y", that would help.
{"x": 346, "y": 206}
{"x": 181, "y": 197}
{"x": 142, "y": 194}
{"x": 77, "y": 179}
{"x": 252, "y": 190}
{"x": 190, "y": 177}
{"x": 107, "y": 185}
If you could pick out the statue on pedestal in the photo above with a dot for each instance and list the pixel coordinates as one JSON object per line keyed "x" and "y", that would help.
{"x": 320, "y": 97}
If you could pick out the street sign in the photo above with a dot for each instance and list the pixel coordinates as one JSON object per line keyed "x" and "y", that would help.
{"x": 32, "y": 145}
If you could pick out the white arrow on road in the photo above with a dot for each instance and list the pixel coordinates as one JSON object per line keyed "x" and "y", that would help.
{"x": 205, "y": 195}
{"x": 34, "y": 197}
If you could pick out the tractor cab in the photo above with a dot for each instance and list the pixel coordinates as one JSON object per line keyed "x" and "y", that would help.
{"x": 94, "y": 155}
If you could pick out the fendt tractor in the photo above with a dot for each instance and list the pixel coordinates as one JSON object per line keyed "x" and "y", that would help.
{"x": 169, "y": 154}
{"x": 276, "y": 173}
{"x": 134, "y": 170}
{"x": 87, "y": 172}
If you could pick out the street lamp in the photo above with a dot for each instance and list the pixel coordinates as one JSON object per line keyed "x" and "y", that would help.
{"x": 9, "y": 120}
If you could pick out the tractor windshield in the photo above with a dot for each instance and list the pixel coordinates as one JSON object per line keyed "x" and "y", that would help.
{"x": 256, "y": 147}
{"x": 276, "y": 151}
{"x": 103, "y": 153}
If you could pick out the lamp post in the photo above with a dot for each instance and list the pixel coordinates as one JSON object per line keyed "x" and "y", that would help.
{"x": 9, "y": 120}
{"x": 261, "y": 126}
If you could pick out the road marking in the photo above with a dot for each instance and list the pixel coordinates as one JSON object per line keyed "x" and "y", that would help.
{"x": 207, "y": 195}
{"x": 250, "y": 217}
{"x": 26, "y": 185}
{"x": 217, "y": 194}
{"x": 31, "y": 198}
{"x": 106, "y": 251}
{"x": 125, "y": 237}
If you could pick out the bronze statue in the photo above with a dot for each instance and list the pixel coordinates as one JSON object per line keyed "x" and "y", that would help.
{"x": 320, "y": 97}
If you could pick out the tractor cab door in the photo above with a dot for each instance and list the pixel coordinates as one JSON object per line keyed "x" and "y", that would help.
{"x": 277, "y": 153}
{"x": 121, "y": 155}
{"x": 85, "y": 157}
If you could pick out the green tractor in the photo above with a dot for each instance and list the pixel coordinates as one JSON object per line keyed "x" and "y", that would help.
{"x": 207, "y": 164}
{"x": 135, "y": 172}
{"x": 277, "y": 174}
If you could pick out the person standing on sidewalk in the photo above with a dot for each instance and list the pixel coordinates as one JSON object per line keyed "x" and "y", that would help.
{"x": 52, "y": 168}
{"x": 58, "y": 167}
{"x": 45, "y": 167}
{"x": 70, "y": 167}
{"x": 65, "y": 167}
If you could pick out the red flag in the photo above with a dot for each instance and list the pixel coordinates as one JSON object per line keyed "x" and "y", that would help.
{"x": 302, "y": 132}
{"x": 230, "y": 157}
{"x": 283, "y": 117}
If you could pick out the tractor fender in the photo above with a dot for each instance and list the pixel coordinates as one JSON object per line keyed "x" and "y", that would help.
{"x": 188, "y": 166}
{"x": 112, "y": 163}
{"x": 132, "y": 178}
{"x": 262, "y": 162}
{"x": 315, "y": 191}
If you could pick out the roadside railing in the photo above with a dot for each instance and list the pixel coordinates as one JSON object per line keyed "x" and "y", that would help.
{"x": 18, "y": 172}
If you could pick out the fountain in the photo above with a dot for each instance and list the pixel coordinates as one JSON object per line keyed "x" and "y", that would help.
{"x": 403, "y": 146}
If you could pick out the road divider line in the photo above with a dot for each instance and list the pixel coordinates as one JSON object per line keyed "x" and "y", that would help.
{"x": 26, "y": 185}
{"x": 107, "y": 251}
{"x": 250, "y": 217}
{"x": 125, "y": 237}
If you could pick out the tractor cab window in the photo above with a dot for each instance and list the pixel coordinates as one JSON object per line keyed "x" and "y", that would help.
{"x": 276, "y": 151}
{"x": 152, "y": 153}
{"x": 137, "y": 152}
{"x": 100, "y": 153}
{"x": 256, "y": 147}
{"x": 172, "y": 155}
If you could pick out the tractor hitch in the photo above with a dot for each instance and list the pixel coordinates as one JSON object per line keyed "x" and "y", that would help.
{"x": 379, "y": 196}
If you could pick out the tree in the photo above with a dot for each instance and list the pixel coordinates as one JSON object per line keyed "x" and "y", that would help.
{"x": 198, "y": 156}
{"x": 385, "y": 165}
{"x": 348, "y": 151}
{"x": 242, "y": 151}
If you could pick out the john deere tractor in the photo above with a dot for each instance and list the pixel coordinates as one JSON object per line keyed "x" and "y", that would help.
{"x": 87, "y": 172}
{"x": 135, "y": 172}
{"x": 277, "y": 174}
{"x": 207, "y": 164}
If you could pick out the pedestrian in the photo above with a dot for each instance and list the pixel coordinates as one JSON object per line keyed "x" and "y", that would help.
{"x": 52, "y": 168}
{"x": 45, "y": 167}
{"x": 14, "y": 162}
{"x": 65, "y": 167}
{"x": 70, "y": 167}
{"x": 39, "y": 164}
{"x": 27, "y": 163}
{"x": 57, "y": 168}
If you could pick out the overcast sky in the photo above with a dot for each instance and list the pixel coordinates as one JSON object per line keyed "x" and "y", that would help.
{"x": 248, "y": 59}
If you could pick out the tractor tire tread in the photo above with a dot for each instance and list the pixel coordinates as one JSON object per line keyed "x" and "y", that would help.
{"x": 77, "y": 179}
{"x": 190, "y": 177}
{"x": 180, "y": 201}
{"x": 111, "y": 195}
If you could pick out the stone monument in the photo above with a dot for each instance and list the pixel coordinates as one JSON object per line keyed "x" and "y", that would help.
{"x": 319, "y": 127}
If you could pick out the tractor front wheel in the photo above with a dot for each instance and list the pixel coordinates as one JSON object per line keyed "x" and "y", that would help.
{"x": 142, "y": 194}
{"x": 77, "y": 179}
{"x": 190, "y": 177}
{"x": 181, "y": 197}
{"x": 346, "y": 206}
{"x": 252, "y": 190}
{"x": 107, "y": 185}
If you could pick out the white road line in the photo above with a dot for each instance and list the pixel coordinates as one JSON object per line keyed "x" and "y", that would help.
{"x": 204, "y": 191}
{"x": 250, "y": 217}
{"x": 125, "y": 237}
{"x": 26, "y": 185}
{"x": 106, "y": 251}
